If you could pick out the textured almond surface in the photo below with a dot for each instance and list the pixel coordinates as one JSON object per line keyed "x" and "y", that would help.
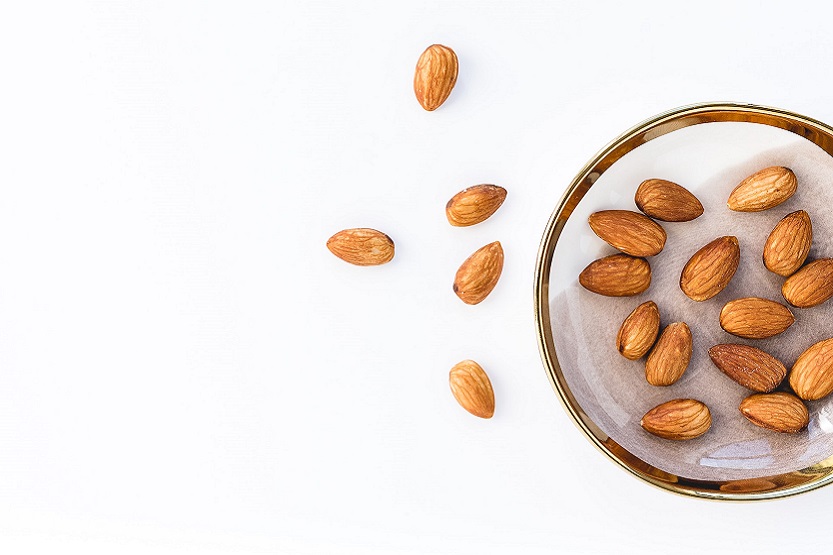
{"x": 680, "y": 419}
{"x": 811, "y": 376}
{"x": 479, "y": 274}
{"x": 811, "y": 285}
{"x": 472, "y": 388}
{"x": 670, "y": 356}
{"x": 639, "y": 331}
{"x": 749, "y": 366}
{"x": 618, "y": 275}
{"x": 789, "y": 243}
{"x": 779, "y": 412}
{"x": 763, "y": 190}
{"x": 755, "y": 318}
{"x": 666, "y": 201}
{"x": 435, "y": 76}
{"x": 710, "y": 269}
{"x": 362, "y": 246}
{"x": 630, "y": 232}
{"x": 474, "y": 205}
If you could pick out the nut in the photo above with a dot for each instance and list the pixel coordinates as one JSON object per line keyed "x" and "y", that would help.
{"x": 666, "y": 201}
{"x": 679, "y": 419}
{"x": 789, "y": 243}
{"x": 471, "y": 387}
{"x": 749, "y": 366}
{"x": 435, "y": 76}
{"x": 811, "y": 285}
{"x": 811, "y": 376}
{"x": 638, "y": 331}
{"x": 763, "y": 190}
{"x": 479, "y": 273}
{"x": 618, "y": 275}
{"x": 362, "y": 246}
{"x": 630, "y": 232}
{"x": 755, "y": 318}
{"x": 474, "y": 205}
{"x": 710, "y": 269}
{"x": 779, "y": 412}
{"x": 670, "y": 356}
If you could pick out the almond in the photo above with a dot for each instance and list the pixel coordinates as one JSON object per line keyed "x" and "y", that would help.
{"x": 638, "y": 331}
{"x": 666, "y": 201}
{"x": 679, "y": 419}
{"x": 362, "y": 246}
{"x": 471, "y": 387}
{"x": 630, "y": 232}
{"x": 780, "y": 412}
{"x": 811, "y": 285}
{"x": 763, "y": 190}
{"x": 670, "y": 356}
{"x": 755, "y": 318}
{"x": 474, "y": 205}
{"x": 749, "y": 366}
{"x": 811, "y": 376}
{"x": 435, "y": 76}
{"x": 710, "y": 269}
{"x": 479, "y": 274}
{"x": 789, "y": 243}
{"x": 618, "y": 275}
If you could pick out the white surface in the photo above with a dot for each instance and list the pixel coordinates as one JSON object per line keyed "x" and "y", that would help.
{"x": 184, "y": 368}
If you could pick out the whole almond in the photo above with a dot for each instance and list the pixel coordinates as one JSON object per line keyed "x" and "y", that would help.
{"x": 811, "y": 376}
{"x": 479, "y": 274}
{"x": 789, "y": 243}
{"x": 630, "y": 232}
{"x": 435, "y": 76}
{"x": 749, "y": 366}
{"x": 679, "y": 419}
{"x": 670, "y": 356}
{"x": 763, "y": 190}
{"x": 472, "y": 388}
{"x": 755, "y": 318}
{"x": 710, "y": 269}
{"x": 639, "y": 331}
{"x": 666, "y": 201}
{"x": 362, "y": 246}
{"x": 811, "y": 285}
{"x": 618, "y": 275}
{"x": 779, "y": 412}
{"x": 474, "y": 205}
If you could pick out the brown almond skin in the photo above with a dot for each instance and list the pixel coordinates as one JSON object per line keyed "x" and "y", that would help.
{"x": 435, "y": 76}
{"x": 763, "y": 190}
{"x": 779, "y": 412}
{"x": 362, "y": 246}
{"x": 811, "y": 377}
{"x": 666, "y": 201}
{"x": 811, "y": 285}
{"x": 670, "y": 356}
{"x": 630, "y": 232}
{"x": 639, "y": 331}
{"x": 680, "y": 419}
{"x": 749, "y": 366}
{"x": 788, "y": 244}
{"x": 474, "y": 205}
{"x": 755, "y": 318}
{"x": 472, "y": 388}
{"x": 479, "y": 274}
{"x": 618, "y": 275}
{"x": 710, "y": 269}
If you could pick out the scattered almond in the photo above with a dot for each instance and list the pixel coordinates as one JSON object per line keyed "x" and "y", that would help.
{"x": 479, "y": 274}
{"x": 474, "y": 205}
{"x": 630, "y": 232}
{"x": 362, "y": 246}
{"x": 779, "y": 412}
{"x": 763, "y": 190}
{"x": 666, "y": 201}
{"x": 679, "y": 419}
{"x": 435, "y": 76}
{"x": 755, "y": 318}
{"x": 710, "y": 269}
{"x": 471, "y": 387}
{"x": 811, "y": 285}
{"x": 811, "y": 376}
{"x": 789, "y": 243}
{"x": 638, "y": 331}
{"x": 749, "y": 366}
{"x": 670, "y": 356}
{"x": 618, "y": 275}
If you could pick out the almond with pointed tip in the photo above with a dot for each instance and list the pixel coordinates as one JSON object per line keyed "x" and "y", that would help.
{"x": 362, "y": 246}
{"x": 710, "y": 269}
{"x": 618, "y": 275}
{"x": 789, "y": 243}
{"x": 472, "y": 388}
{"x": 474, "y": 205}
{"x": 630, "y": 232}
{"x": 679, "y": 419}
{"x": 479, "y": 274}
{"x": 779, "y": 412}
{"x": 755, "y": 318}
{"x": 639, "y": 331}
{"x": 749, "y": 366}
{"x": 811, "y": 377}
{"x": 763, "y": 190}
{"x": 670, "y": 356}
{"x": 666, "y": 201}
{"x": 811, "y": 285}
{"x": 435, "y": 76}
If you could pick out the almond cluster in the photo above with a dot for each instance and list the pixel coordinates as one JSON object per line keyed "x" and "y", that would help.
{"x": 667, "y": 353}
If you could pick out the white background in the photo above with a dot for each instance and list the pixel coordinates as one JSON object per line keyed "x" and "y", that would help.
{"x": 185, "y": 368}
